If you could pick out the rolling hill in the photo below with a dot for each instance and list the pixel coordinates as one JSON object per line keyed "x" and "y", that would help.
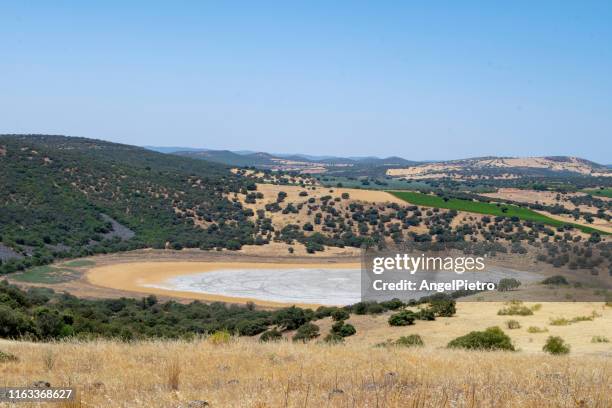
{"x": 66, "y": 196}
{"x": 290, "y": 162}
{"x": 503, "y": 168}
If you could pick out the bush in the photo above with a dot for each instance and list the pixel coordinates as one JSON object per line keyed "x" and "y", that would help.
{"x": 513, "y": 324}
{"x": 600, "y": 339}
{"x": 306, "y": 332}
{"x": 535, "y": 329}
{"x": 220, "y": 337}
{"x": 251, "y": 327}
{"x": 403, "y": 318}
{"x": 508, "y": 284}
{"x": 409, "y": 341}
{"x": 392, "y": 304}
{"x": 375, "y": 308}
{"x": 290, "y": 318}
{"x": 492, "y": 338}
{"x": 582, "y": 319}
{"x": 271, "y": 335}
{"x": 555, "y": 280}
{"x": 426, "y": 314}
{"x": 559, "y": 321}
{"x": 444, "y": 307}
{"x": 515, "y": 309}
{"x": 13, "y": 323}
{"x": 339, "y": 315}
{"x": 343, "y": 329}
{"x": 362, "y": 308}
{"x": 324, "y": 311}
{"x": 556, "y": 345}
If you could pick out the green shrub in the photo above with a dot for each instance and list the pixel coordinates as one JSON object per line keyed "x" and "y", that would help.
{"x": 515, "y": 309}
{"x": 324, "y": 311}
{"x": 403, "y": 318}
{"x": 492, "y": 338}
{"x": 426, "y": 314}
{"x": 556, "y": 345}
{"x": 339, "y": 315}
{"x": 409, "y": 341}
{"x": 535, "y": 329}
{"x": 375, "y": 308}
{"x": 507, "y": 284}
{"x": 251, "y": 327}
{"x": 220, "y": 337}
{"x": 582, "y": 319}
{"x": 559, "y": 321}
{"x": 555, "y": 280}
{"x": 362, "y": 308}
{"x": 392, "y": 304}
{"x": 343, "y": 329}
{"x": 13, "y": 323}
{"x": 306, "y": 332}
{"x": 600, "y": 339}
{"x": 359, "y": 308}
{"x": 513, "y": 324}
{"x": 270, "y": 335}
{"x": 290, "y": 318}
{"x": 444, "y": 307}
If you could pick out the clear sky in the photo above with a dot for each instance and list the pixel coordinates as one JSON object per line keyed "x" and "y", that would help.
{"x": 423, "y": 80}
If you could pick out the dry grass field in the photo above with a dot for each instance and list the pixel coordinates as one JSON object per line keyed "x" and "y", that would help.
{"x": 480, "y": 315}
{"x": 244, "y": 373}
{"x": 375, "y": 198}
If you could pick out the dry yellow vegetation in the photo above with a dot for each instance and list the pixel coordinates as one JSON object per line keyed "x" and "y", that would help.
{"x": 374, "y": 198}
{"x": 449, "y": 168}
{"x": 244, "y": 373}
{"x": 480, "y": 315}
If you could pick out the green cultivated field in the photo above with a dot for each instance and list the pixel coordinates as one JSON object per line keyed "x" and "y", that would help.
{"x": 602, "y": 192}
{"x": 503, "y": 210}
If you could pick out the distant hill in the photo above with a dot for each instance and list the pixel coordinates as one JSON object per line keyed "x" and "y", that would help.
{"x": 230, "y": 158}
{"x": 297, "y": 162}
{"x": 172, "y": 149}
{"x": 503, "y": 168}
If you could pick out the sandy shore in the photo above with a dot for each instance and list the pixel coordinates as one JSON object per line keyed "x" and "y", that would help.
{"x": 134, "y": 276}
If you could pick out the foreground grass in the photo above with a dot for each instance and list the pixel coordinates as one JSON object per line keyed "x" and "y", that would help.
{"x": 504, "y": 210}
{"x": 244, "y": 373}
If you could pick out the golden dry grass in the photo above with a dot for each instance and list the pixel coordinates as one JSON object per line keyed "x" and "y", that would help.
{"x": 244, "y": 373}
{"x": 480, "y": 315}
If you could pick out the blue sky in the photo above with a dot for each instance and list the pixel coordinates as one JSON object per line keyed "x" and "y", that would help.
{"x": 423, "y": 80}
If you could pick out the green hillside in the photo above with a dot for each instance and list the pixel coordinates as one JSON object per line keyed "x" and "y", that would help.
{"x": 62, "y": 196}
{"x": 503, "y": 210}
